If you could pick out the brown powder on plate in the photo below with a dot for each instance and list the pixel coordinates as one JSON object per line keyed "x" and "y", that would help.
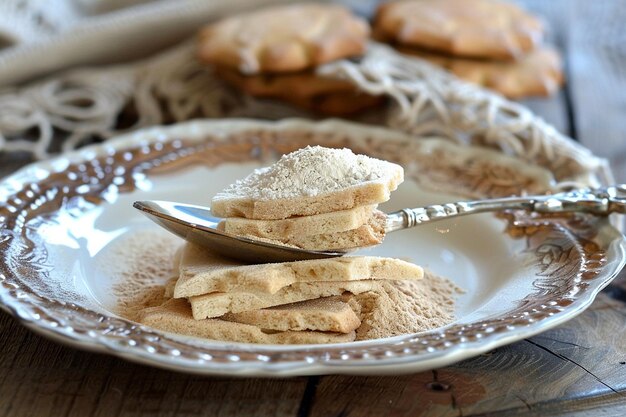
{"x": 401, "y": 307}
{"x": 141, "y": 263}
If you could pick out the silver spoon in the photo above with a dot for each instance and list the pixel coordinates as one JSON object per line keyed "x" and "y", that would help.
{"x": 196, "y": 224}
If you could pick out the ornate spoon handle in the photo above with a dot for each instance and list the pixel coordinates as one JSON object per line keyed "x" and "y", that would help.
{"x": 603, "y": 201}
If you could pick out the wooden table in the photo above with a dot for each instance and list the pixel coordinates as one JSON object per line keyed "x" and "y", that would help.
{"x": 576, "y": 369}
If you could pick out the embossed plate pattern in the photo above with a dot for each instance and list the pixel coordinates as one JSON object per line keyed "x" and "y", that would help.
{"x": 523, "y": 273}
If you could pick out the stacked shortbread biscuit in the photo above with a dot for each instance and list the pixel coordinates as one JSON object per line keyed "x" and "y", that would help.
{"x": 289, "y": 302}
{"x": 272, "y": 53}
{"x": 488, "y": 42}
{"x": 315, "y": 198}
{"x": 316, "y": 195}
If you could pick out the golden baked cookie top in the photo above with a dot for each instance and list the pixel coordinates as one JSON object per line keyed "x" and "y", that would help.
{"x": 284, "y": 39}
{"x": 476, "y": 28}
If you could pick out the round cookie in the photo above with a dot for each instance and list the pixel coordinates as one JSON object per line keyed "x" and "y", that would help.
{"x": 475, "y": 29}
{"x": 283, "y": 39}
{"x": 537, "y": 74}
{"x": 304, "y": 89}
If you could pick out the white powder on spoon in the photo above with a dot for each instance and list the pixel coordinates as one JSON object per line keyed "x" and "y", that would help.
{"x": 310, "y": 172}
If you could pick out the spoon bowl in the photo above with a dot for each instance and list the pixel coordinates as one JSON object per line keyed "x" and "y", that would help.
{"x": 196, "y": 224}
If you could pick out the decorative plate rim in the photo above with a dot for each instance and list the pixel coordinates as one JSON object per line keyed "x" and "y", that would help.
{"x": 12, "y": 299}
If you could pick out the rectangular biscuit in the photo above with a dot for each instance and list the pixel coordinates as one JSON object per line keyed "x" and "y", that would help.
{"x": 372, "y": 232}
{"x": 219, "y": 303}
{"x": 329, "y": 314}
{"x": 202, "y": 272}
{"x": 175, "y": 316}
{"x": 294, "y": 227}
{"x": 368, "y": 193}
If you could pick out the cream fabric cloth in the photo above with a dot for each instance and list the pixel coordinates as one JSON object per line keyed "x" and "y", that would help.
{"x": 40, "y": 37}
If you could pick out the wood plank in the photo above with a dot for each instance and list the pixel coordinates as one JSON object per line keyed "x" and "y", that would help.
{"x": 596, "y": 52}
{"x": 605, "y": 406}
{"x": 43, "y": 378}
{"x": 552, "y": 109}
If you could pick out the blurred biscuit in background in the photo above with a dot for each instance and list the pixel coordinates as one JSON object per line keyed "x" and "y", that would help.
{"x": 284, "y": 38}
{"x": 537, "y": 74}
{"x": 476, "y": 29}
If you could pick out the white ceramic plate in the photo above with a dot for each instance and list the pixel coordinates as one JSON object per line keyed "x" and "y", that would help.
{"x": 523, "y": 274}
